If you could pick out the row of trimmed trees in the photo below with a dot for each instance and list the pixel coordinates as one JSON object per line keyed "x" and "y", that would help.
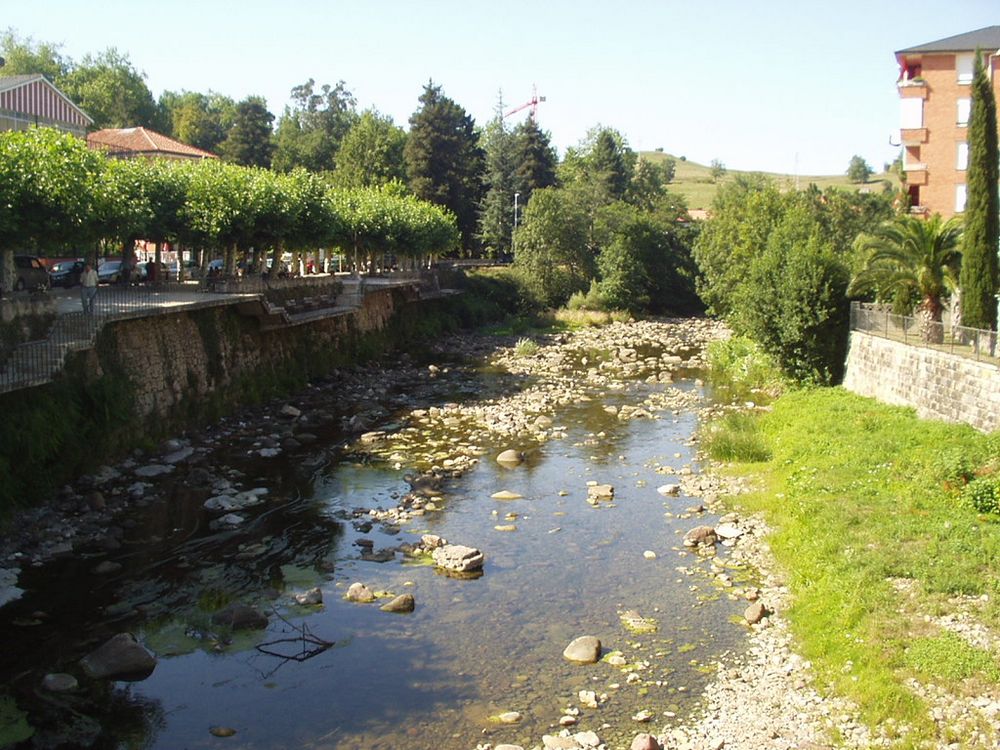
{"x": 59, "y": 196}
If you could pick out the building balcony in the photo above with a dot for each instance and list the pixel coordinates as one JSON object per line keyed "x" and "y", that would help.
{"x": 912, "y": 136}
{"x": 916, "y": 174}
{"x": 914, "y": 89}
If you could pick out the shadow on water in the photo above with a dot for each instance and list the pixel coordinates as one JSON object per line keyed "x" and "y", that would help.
{"x": 432, "y": 678}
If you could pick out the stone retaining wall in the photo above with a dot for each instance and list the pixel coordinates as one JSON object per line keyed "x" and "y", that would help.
{"x": 937, "y": 384}
{"x": 177, "y": 360}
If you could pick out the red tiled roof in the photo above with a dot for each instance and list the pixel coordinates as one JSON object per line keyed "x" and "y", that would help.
{"x": 144, "y": 141}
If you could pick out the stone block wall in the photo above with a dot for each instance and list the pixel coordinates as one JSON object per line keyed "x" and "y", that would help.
{"x": 937, "y": 384}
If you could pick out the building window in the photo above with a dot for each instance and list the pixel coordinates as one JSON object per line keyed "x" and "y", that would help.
{"x": 962, "y": 163}
{"x": 911, "y": 113}
{"x": 959, "y": 198}
{"x": 963, "y": 111}
{"x": 964, "y": 66}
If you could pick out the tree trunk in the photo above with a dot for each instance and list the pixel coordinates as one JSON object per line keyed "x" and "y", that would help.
{"x": 7, "y": 272}
{"x": 929, "y": 315}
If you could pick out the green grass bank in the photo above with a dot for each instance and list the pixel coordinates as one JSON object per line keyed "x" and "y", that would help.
{"x": 880, "y": 532}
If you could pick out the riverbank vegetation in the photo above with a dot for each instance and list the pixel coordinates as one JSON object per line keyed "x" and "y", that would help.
{"x": 886, "y": 529}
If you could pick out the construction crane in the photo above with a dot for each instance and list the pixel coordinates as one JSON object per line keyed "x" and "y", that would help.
{"x": 533, "y": 103}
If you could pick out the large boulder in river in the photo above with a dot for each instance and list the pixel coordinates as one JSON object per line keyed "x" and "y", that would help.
{"x": 510, "y": 458}
{"x": 401, "y": 603}
{"x": 645, "y": 741}
{"x": 458, "y": 557}
{"x": 240, "y": 617}
{"x": 700, "y": 535}
{"x": 120, "y": 658}
{"x": 583, "y": 650}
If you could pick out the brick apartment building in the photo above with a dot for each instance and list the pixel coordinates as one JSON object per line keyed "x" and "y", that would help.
{"x": 934, "y": 90}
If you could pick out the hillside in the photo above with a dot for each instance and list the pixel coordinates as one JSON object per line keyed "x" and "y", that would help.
{"x": 694, "y": 181}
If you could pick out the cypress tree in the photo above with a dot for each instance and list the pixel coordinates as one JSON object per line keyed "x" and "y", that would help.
{"x": 496, "y": 212}
{"x": 534, "y": 157}
{"x": 979, "y": 276}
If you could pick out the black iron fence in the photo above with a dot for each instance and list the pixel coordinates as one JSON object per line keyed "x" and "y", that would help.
{"x": 972, "y": 343}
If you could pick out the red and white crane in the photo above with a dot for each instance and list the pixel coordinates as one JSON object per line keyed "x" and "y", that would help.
{"x": 533, "y": 103}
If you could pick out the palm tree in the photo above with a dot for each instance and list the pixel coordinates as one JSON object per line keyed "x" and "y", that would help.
{"x": 912, "y": 257}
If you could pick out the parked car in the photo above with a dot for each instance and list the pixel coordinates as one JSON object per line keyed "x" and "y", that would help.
{"x": 31, "y": 273}
{"x": 109, "y": 272}
{"x": 66, "y": 273}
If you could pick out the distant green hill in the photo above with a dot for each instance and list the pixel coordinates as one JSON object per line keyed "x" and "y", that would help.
{"x": 694, "y": 181}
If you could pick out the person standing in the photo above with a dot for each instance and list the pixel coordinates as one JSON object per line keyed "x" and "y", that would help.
{"x": 88, "y": 288}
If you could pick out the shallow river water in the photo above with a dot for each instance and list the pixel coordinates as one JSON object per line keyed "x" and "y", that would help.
{"x": 433, "y": 678}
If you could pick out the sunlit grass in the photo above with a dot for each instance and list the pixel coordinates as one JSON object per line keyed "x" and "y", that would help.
{"x": 856, "y": 494}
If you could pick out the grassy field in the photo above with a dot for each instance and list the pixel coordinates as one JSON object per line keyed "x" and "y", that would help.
{"x": 880, "y": 546}
{"x": 694, "y": 181}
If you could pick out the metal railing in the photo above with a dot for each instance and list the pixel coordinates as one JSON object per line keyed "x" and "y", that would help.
{"x": 971, "y": 343}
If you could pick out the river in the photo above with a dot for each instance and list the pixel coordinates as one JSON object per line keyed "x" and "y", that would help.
{"x": 557, "y": 566}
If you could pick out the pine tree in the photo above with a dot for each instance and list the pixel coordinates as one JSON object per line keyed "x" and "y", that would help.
{"x": 979, "y": 276}
{"x": 443, "y": 159}
{"x": 496, "y": 214}
{"x": 249, "y": 141}
{"x": 608, "y": 164}
{"x": 535, "y": 159}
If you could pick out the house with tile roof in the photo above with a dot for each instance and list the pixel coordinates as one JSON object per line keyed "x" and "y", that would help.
{"x": 131, "y": 143}
{"x": 33, "y": 100}
{"x": 934, "y": 85}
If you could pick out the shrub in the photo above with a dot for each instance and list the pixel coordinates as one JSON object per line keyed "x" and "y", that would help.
{"x": 737, "y": 437}
{"x": 955, "y": 467}
{"x": 983, "y": 494}
{"x": 740, "y": 362}
{"x": 592, "y": 300}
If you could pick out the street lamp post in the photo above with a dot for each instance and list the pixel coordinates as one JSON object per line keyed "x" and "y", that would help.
{"x": 513, "y": 237}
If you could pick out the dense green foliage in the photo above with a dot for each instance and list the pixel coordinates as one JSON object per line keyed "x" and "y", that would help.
{"x": 60, "y": 191}
{"x": 534, "y": 158}
{"x": 910, "y": 258}
{"x": 249, "y": 142}
{"x": 496, "y": 212}
{"x": 443, "y": 159}
{"x": 741, "y": 364}
{"x": 371, "y": 153}
{"x": 856, "y": 498}
{"x": 310, "y": 132}
{"x": 777, "y": 265}
{"x": 980, "y": 277}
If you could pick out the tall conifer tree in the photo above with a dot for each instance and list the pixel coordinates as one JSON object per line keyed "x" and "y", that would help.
{"x": 443, "y": 159}
{"x": 979, "y": 277}
{"x": 496, "y": 213}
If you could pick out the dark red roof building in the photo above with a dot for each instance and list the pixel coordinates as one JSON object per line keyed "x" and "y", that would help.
{"x": 129, "y": 143}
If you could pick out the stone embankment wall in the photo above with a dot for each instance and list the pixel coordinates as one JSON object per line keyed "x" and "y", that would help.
{"x": 937, "y": 384}
{"x": 177, "y": 363}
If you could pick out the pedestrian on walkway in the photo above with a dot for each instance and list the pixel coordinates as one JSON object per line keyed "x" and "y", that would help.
{"x": 88, "y": 288}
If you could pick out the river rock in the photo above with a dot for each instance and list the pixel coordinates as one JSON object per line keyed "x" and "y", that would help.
{"x": 509, "y": 717}
{"x": 228, "y": 521}
{"x": 700, "y": 535}
{"x": 153, "y": 470}
{"x": 96, "y": 501}
{"x": 122, "y": 657}
{"x": 290, "y": 411}
{"x": 510, "y": 458}
{"x": 427, "y": 485}
{"x": 644, "y": 741}
{"x": 240, "y": 617}
{"x": 401, "y": 603}
{"x": 508, "y": 747}
{"x": 358, "y": 592}
{"x": 107, "y": 568}
{"x": 458, "y": 557}
{"x": 728, "y": 531}
{"x": 178, "y": 456}
{"x": 587, "y": 739}
{"x": 669, "y": 489}
{"x": 755, "y": 613}
{"x": 583, "y": 650}
{"x": 432, "y": 541}
{"x": 556, "y": 742}
{"x": 601, "y": 492}
{"x": 310, "y": 597}
{"x": 506, "y": 495}
{"x": 59, "y": 682}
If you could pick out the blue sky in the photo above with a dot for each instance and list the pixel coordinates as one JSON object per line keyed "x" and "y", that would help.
{"x": 758, "y": 85}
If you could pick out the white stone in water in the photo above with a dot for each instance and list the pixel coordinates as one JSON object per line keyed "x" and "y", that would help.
{"x": 669, "y": 489}
{"x": 458, "y": 557}
{"x": 728, "y": 531}
{"x": 506, "y": 495}
{"x": 310, "y": 597}
{"x": 509, "y": 717}
{"x": 649, "y": 554}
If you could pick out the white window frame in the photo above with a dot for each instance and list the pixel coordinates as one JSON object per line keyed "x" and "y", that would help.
{"x": 961, "y": 196}
{"x": 964, "y": 110}
{"x": 965, "y": 67}
{"x": 962, "y": 156}
{"x": 911, "y": 113}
